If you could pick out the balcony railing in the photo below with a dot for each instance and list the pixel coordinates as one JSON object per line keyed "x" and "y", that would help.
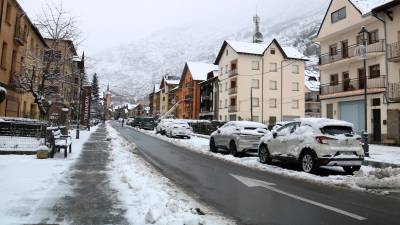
{"x": 350, "y": 52}
{"x": 232, "y": 91}
{"x": 313, "y": 111}
{"x": 232, "y": 108}
{"x": 233, "y": 73}
{"x": 394, "y": 52}
{"x": 353, "y": 85}
{"x": 393, "y": 92}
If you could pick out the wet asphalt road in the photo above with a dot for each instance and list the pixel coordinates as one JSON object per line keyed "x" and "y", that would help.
{"x": 289, "y": 202}
{"x": 92, "y": 200}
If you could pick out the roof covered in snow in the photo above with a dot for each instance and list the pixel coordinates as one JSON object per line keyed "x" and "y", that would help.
{"x": 200, "y": 70}
{"x": 292, "y": 52}
{"x": 174, "y": 82}
{"x": 366, "y": 6}
{"x": 311, "y": 80}
{"x": 248, "y": 48}
{"x": 322, "y": 122}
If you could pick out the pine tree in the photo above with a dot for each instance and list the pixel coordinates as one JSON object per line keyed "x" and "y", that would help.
{"x": 95, "y": 88}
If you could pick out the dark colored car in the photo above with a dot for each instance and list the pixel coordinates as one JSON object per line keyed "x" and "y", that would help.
{"x": 147, "y": 123}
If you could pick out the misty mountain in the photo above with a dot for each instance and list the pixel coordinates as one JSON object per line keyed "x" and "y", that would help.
{"x": 133, "y": 69}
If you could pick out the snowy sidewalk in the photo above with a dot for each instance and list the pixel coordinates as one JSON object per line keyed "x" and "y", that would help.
{"x": 383, "y": 156}
{"x": 26, "y": 181}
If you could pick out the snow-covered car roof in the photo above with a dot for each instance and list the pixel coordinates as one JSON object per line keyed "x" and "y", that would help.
{"x": 248, "y": 124}
{"x": 322, "y": 122}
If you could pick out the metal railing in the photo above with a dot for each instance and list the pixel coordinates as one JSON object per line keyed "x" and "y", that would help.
{"x": 394, "y": 50}
{"x": 233, "y": 72}
{"x": 393, "y": 91}
{"x": 353, "y": 85}
{"x": 232, "y": 91}
{"x": 232, "y": 108}
{"x": 350, "y": 52}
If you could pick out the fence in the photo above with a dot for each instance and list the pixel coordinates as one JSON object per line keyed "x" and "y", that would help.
{"x": 205, "y": 128}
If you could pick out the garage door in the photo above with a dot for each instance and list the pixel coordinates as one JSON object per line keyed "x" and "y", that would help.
{"x": 353, "y": 112}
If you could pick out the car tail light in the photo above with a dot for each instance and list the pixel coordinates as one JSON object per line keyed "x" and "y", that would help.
{"x": 323, "y": 139}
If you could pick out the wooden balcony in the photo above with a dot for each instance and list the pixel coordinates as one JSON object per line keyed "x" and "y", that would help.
{"x": 353, "y": 87}
{"x": 394, "y": 52}
{"x": 350, "y": 52}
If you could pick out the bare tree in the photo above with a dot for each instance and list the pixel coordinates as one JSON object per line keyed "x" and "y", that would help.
{"x": 42, "y": 70}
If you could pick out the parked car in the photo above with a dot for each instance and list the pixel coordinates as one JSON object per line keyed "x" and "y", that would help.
{"x": 136, "y": 121}
{"x": 279, "y": 125}
{"x": 147, "y": 123}
{"x": 129, "y": 121}
{"x": 178, "y": 128}
{"x": 238, "y": 136}
{"x": 162, "y": 126}
{"x": 314, "y": 142}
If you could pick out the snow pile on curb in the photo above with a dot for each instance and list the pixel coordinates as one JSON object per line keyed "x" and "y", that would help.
{"x": 368, "y": 179}
{"x": 148, "y": 196}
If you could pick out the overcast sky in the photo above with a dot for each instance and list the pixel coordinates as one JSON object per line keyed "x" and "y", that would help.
{"x": 106, "y": 23}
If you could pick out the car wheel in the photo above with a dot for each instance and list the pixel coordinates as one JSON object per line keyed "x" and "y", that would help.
{"x": 308, "y": 162}
{"x": 233, "y": 149}
{"x": 264, "y": 155}
{"x": 188, "y": 137}
{"x": 213, "y": 148}
{"x": 351, "y": 169}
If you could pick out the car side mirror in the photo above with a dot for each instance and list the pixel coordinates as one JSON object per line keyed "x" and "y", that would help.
{"x": 218, "y": 130}
{"x": 274, "y": 134}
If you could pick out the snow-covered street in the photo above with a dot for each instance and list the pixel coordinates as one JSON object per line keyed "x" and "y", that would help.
{"x": 367, "y": 179}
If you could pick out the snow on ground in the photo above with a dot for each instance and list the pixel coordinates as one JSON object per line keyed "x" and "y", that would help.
{"x": 26, "y": 180}
{"x": 148, "y": 196}
{"x": 386, "y": 154}
{"x": 367, "y": 179}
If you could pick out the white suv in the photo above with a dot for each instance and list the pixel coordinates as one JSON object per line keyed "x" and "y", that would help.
{"x": 314, "y": 142}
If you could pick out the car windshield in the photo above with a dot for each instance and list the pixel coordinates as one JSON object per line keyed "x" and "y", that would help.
{"x": 337, "y": 130}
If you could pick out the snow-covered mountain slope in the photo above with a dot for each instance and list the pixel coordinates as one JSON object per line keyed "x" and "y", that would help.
{"x": 134, "y": 68}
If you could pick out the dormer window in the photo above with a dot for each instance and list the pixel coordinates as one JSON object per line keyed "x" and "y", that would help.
{"x": 338, "y": 15}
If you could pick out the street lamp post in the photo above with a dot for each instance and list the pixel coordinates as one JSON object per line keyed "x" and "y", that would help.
{"x": 364, "y": 32}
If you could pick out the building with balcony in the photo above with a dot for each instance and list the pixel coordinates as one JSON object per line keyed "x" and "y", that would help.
{"x": 342, "y": 66}
{"x": 21, "y": 57}
{"x": 312, "y": 87}
{"x": 390, "y": 13}
{"x": 189, "y": 97}
{"x": 259, "y": 81}
{"x": 168, "y": 83}
{"x": 209, "y": 97}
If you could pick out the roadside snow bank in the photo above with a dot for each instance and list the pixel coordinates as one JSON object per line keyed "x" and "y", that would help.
{"x": 367, "y": 179}
{"x": 25, "y": 181}
{"x": 148, "y": 196}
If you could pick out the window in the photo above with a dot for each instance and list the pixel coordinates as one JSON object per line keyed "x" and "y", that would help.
{"x": 255, "y": 83}
{"x": 8, "y": 13}
{"x": 338, "y": 15}
{"x": 4, "y": 55}
{"x": 273, "y": 85}
{"x": 329, "y": 111}
{"x": 295, "y": 69}
{"x": 334, "y": 79}
{"x": 374, "y": 71}
{"x": 272, "y": 103}
{"x": 256, "y": 118}
{"x": 272, "y": 120}
{"x": 220, "y": 117}
{"x": 376, "y": 102}
{"x": 232, "y": 117}
{"x": 226, "y": 118}
{"x": 255, "y": 65}
{"x": 256, "y": 102}
{"x": 273, "y": 67}
{"x": 295, "y": 104}
{"x": 220, "y": 104}
{"x": 333, "y": 50}
{"x": 163, "y": 99}
{"x": 295, "y": 86}
{"x": 373, "y": 37}
{"x": 272, "y": 51}
{"x": 226, "y": 69}
{"x": 226, "y": 86}
{"x": 222, "y": 70}
{"x": 227, "y": 52}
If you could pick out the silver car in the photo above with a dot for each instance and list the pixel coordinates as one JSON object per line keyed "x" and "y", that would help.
{"x": 238, "y": 137}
